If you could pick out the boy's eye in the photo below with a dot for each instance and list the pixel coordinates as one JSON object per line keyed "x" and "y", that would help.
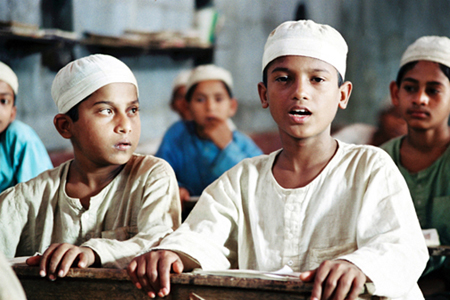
{"x": 4, "y": 101}
{"x": 199, "y": 99}
{"x": 281, "y": 78}
{"x": 409, "y": 88}
{"x": 317, "y": 79}
{"x": 106, "y": 111}
{"x": 432, "y": 91}
{"x": 134, "y": 110}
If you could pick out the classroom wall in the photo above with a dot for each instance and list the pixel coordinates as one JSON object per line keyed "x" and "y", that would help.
{"x": 377, "y": 32}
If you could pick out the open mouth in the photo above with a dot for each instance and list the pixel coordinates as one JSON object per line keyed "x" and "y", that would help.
{"x": 122, "y": 145}
{"x": 300, "y": 112}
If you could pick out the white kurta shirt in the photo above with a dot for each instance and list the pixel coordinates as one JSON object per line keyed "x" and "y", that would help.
{"x": 358, "y": 208}
{"x": 132, "y": 213}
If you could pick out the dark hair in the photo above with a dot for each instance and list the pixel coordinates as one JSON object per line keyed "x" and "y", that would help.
{"x": 409, "y": 66}
{"x": 192, "y": 89}
{"x": 264, "y": 78}
{"x": 73, "y": 112}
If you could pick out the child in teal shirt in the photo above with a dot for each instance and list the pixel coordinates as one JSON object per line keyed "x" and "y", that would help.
{"x": 22, "y": 154}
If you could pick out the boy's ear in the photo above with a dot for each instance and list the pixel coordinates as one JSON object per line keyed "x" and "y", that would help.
{"x": 233, "y": 107}
{"x": 262, "y": 91}
{"x": 63, "y": 124}
{"x": 12, "y": 117}
{"x": 393, "y": 88}
{"x": 345, "y": 91}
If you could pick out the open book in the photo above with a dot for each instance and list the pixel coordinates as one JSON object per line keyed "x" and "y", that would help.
{"x": 285, "y": 273}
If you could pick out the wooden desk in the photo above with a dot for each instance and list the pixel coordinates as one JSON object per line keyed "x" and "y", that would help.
{"x": 115, "y": 284}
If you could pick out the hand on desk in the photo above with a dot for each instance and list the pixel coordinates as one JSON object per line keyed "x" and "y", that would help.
{"x": 58, "y": 258}
{"x": 151, "y": 271}
{"x": 335, "y": 279}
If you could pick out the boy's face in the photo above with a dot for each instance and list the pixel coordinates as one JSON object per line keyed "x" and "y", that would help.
{"x": 423, "y": 97}
{"x": 179, "y": 103}
{"x": 108, "y": 129}
{"x": 210, "y": 102}
{"x": 303, "y": 96}
{"x": 7, "y": 107}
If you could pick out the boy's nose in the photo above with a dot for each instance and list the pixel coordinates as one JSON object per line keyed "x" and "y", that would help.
{"x": 209, "y": 104}
{"x": 300, "y": 91}
{"x": 123, "y": 124}
{"x": 422, "y": 98}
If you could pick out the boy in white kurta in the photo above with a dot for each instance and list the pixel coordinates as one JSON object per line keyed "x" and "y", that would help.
{"x": 339, "y": 213}
{"x": 108, "y": 204}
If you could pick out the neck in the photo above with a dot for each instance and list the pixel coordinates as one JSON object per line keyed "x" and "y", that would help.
{"x": 303, "y": 160}
{"x": 310, "y": 151}
{"x": 86, "y": 181}
{"x": 427, "y": 140}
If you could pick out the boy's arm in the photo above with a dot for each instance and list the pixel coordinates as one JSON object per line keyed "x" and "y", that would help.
{"x": 159, "y": 215}
{"x": 391, "y": 247}
{"x": 14, "y": 213}
{"x": 239, "y": 148}
{"x": 207, "y": 239}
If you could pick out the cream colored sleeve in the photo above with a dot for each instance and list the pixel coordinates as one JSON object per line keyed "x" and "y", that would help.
{"x": 159, "y": 215}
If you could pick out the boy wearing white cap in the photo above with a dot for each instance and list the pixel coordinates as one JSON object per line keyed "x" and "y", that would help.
{"x": 339, "y": 213}
{"x": 178, "y": 101}
{"x": 201, "y": 150}
{"x": 107, "y": 204}
{"x": 422, "y": 94}
{"x": 22, "y": 153}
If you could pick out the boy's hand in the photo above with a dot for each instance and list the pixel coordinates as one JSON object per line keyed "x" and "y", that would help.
{"x": 184, "y": 194}
{"x": 58, "y": 258}
{"x": 335, "y": 279}
{"x": 219, "y": 132}
{"x": 151, "y": 271}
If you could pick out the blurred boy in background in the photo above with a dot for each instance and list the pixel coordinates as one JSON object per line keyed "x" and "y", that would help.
{"x": 201, "y": 150}
{"x": 22, "y": 153}
{"x": 421, "y": 92}
{"x": 178, "y": 101}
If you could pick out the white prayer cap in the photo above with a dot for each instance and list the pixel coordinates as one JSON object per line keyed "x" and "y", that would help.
{"x": 7, "y": 75}
{"x": 432, "y": 48}
{"x": 209, "y": 72}
{"x": 307, "y": 38}
{"x": 82, "y": 77}
{"x": 181, "y": 79}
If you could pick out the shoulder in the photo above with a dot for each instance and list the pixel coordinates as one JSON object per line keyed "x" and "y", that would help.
{"x": 148, "y": 165}
{"x": 179, "y": 127}
{"x": 45, "y": 184}
{"x": 179, "y": 131}
{"x": 240, "y": 135}
{"x": 254, "y": 164}
{"x": 20, "y": 132}
{"x": 392, "y": 145}
{"x": 363, "y": 154}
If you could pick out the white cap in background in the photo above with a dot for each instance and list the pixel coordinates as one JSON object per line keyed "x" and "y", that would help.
{"x": 209, "y": 72}
{"x": 431, "y": 48}
{"x": 7, "y": 75}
